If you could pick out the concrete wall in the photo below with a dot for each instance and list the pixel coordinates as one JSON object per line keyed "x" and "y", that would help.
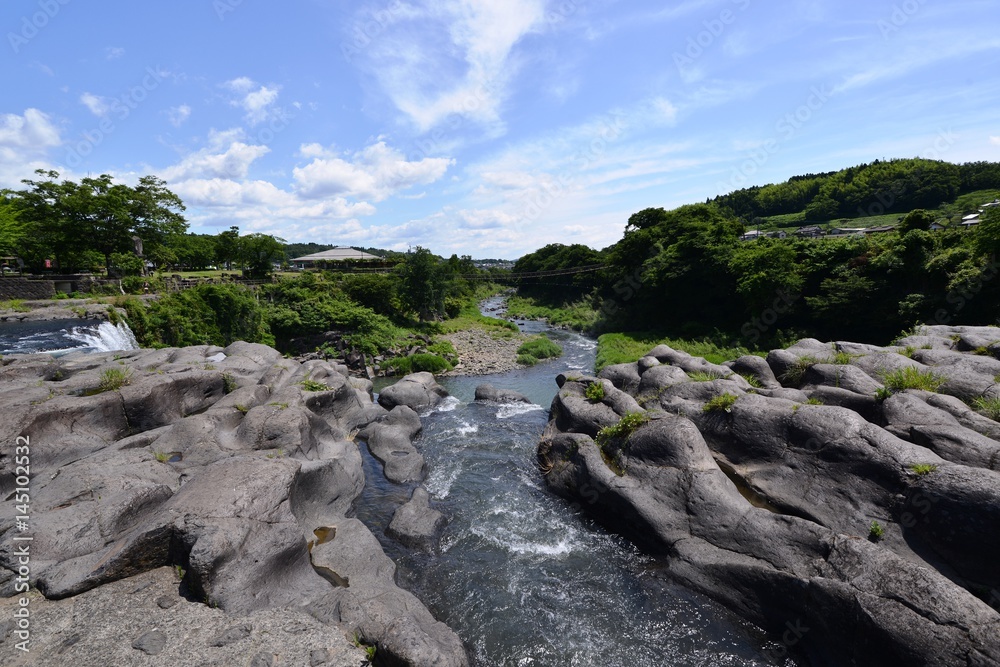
{"x": 22, "y": 288}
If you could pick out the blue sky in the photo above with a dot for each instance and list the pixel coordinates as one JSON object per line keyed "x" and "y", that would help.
{"x": 484, "y": 127}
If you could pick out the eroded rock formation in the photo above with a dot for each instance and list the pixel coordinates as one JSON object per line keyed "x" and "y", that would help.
{"x": 236, "y": 466}
{"x": 812, "y": 491}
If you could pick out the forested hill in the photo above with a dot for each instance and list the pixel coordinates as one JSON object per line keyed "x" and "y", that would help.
{"x": 894, "y": 186}
{"x": 691, "y": 271}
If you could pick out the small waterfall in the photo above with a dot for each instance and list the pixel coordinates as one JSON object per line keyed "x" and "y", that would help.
{"x": 106, "y": 337}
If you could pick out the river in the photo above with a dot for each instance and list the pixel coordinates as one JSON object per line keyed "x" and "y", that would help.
{"x": 523, "y": 578}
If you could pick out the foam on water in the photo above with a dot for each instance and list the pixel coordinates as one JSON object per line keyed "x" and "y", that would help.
{"x": 508, "y": 410}
{"x": 106, "y": 337}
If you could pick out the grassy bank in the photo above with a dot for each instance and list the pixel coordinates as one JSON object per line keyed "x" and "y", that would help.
{"x": 579, "y": 316}
{"x": 623, "y": 348}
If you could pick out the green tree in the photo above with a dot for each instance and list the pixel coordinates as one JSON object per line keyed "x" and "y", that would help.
{"x": 423, "y": 284}
{"x": 12, "y": 228}
{"x": 987, "y": 233}
{"x": 259, "y": 252}
{"x": 918, "y": 219}
{"x": 65, "y": 219}
{"x": 227, "y": 247}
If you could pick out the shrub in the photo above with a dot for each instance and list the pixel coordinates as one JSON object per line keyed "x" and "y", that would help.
{"x": 721, "y": 403}
{"x": 417, "y": 363}
{"x": 875, "y": 531}
{"x": 594, "y": 391}
{"x": 313, "y": 385}
{"x": 540, "y": 348}
{"x": 912, "y": 378}
{"x": 113, "y": 379}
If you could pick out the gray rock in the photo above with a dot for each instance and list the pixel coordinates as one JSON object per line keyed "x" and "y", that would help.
{"x": 230, "y": 636}
{"x": 487, "y": 392}
{"x": 150, "y": 643}
{"x": 98, "y": 628}
{"x": 755, "y": 367}
{"x": 625, "y": 376}
{"x": 416, "y": 524}
{"x": 417, "y": 391}
{"x": 391, "y": 442}
{"x": 849, "y": 378}
{"x": 766, "y": 506}
{"x": 573, "y": 412}
{"x": 374, "y": 607}
{"x": 171, "y": 470}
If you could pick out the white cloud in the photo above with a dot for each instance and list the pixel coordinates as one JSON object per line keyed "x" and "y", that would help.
{"x": 375, "y": 173}
{"x": 226, "y": 157}
{"x": 256, "y": 100}
{"x": 995, "y": 141}
{"x": 452, "y": 57}
{"x": 32, "y": 132}
{"x": 99, "y": 106}
{"x": 114, "y": 52}
{"x": 177, "y": 115}
{"x": 25, "y": 141}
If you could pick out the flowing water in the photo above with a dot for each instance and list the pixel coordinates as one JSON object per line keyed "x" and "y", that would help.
{"x": 62, "y": 336}
{"x": 522, "y": 577}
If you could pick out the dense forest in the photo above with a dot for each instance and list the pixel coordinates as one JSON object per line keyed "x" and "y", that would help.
{"x": 686, "y": 272}
{"x": 894, "y": 186}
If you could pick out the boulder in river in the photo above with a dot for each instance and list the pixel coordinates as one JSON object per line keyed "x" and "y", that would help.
{"x": 417, "y": 391}
{"x": 487, "y": 392}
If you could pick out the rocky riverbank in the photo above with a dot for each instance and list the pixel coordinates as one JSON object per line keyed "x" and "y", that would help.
{"x": 235, "y": 472}
{"x": 819, "y": 493}
{"x": 482, "y": 352}
{"x": 62, "y": 309}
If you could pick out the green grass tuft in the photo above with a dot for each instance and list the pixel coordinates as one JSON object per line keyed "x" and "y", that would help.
{"x": 113, "y": 379}
{"x": 526, "y": 360}
{"x": 796, "y": 371}
{"x": 540, "y": 348}
{"x": 613, "y": 440}
{"x": 752, "y": 380}
{"x": 923, "y": 468}
{"x": 988, "y": 407}
{"x": 703, "y": 376}
{"x": 313, "y": 385}
{"x": 721, "y": 403}
{"x": 912, "y": 378}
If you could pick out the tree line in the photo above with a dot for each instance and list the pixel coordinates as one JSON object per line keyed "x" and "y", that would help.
{"x": 93, "y": 224}
{"x": 687, "y": 273}
{"x": 893, "y": 186}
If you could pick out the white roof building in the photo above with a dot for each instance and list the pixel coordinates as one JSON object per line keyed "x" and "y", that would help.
{"x": 338, "y": 254}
